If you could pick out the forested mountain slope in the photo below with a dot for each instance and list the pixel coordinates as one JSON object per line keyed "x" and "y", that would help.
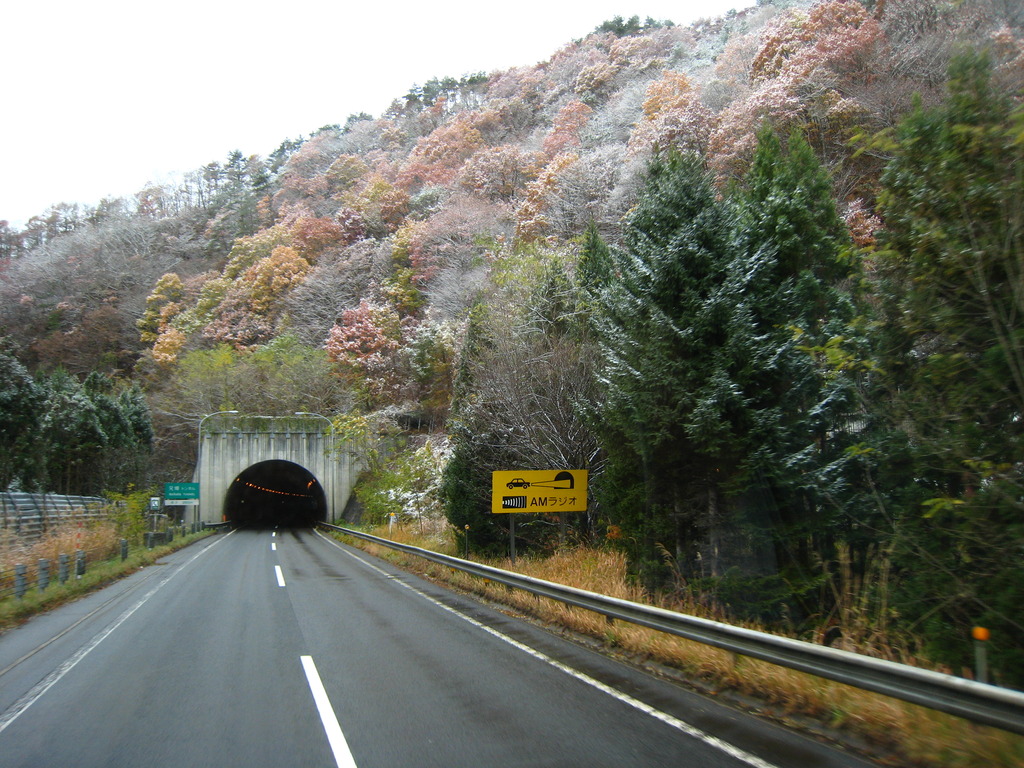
{"x": 761, "y": 275}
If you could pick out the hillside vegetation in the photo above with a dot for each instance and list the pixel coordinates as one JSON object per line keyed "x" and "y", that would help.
{"x": 762, "y": 276}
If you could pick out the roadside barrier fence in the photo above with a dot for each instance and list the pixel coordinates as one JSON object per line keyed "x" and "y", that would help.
{"x": 30, "y": 515}
{"x": 21, "y": 573}
{"x": 981, "y": 703}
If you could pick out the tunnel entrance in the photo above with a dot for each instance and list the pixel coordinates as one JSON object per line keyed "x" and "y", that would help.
{"x": 275, "y": 493}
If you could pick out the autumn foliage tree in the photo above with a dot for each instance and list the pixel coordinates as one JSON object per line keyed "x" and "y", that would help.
{"x": 365, "y": 345}
{"x": 499, "y": 173}
{"x": 673, "y": 116}
{"x": 805, "y": 74}
{"x": 565, "y": 131}
{"x": 437, "y": 158}
{"x": 161, "y": 306}
{"x": 543, "y": 195}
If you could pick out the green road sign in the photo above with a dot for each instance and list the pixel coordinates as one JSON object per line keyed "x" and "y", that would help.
{"x": 187, "y": 492}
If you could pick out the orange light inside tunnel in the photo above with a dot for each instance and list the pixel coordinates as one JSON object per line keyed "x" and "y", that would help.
{"x": 275, "y": 492}
{"x": 272, "y": 490}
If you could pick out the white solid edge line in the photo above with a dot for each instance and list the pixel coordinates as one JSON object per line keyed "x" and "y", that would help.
{"x": 280, "y": 575}
{"x": 339, "y": 746}
{"x": 681, "y": 725}
{"x": 30, "y": 698}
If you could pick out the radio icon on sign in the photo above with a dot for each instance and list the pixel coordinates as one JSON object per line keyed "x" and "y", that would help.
{"x": 513, "y": 502}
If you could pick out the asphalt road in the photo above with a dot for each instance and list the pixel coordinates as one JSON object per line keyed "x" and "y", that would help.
{"x": 285, "y": 648}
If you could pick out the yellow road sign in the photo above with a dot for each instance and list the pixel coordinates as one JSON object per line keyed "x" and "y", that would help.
{"x": 547, "y": 490}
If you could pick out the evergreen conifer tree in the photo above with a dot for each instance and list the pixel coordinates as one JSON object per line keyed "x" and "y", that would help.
{"x": 952, "y": 279}
{"x": 792, "y": 351}
{"x": 667, "y": 398}
{"x": 21, "y": 401}
{"x": 724, "y": 335}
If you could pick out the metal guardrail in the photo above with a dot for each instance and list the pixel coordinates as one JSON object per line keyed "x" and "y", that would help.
{"x": 985, "y": 704}
{"x": 30, "y": 514}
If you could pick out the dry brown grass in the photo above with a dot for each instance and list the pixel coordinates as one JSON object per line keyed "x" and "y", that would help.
{"x": 99, "y": 539}
{"x": 894, "y": 732}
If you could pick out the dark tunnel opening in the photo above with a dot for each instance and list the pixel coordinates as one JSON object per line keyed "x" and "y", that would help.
{"x": 275, "y": 494}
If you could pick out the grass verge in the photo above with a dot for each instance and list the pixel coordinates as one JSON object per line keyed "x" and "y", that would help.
{"x": 885, "y": 730}
{"x": 14, "y": 611}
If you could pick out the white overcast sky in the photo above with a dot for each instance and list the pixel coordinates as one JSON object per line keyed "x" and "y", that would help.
{"x": 103, "y": 97}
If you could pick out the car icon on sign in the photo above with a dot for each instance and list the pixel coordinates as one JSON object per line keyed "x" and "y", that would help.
{"x": 518, "y": 482}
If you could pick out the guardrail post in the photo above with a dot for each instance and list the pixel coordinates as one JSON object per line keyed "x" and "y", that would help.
{"x": 62, "y": 573}
{"x": 20, "y": 582}
{"x": 981, "y": 636}
{"x": 43, "y": 574}
{"x": 79, "y": 563}
{"x": 124, "y": 549}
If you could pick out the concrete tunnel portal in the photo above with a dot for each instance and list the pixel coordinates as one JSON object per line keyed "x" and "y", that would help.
{"x": 275, "y": 493}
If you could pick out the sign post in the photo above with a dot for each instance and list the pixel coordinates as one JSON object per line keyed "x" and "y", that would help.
{"x": 534, "y": 491}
